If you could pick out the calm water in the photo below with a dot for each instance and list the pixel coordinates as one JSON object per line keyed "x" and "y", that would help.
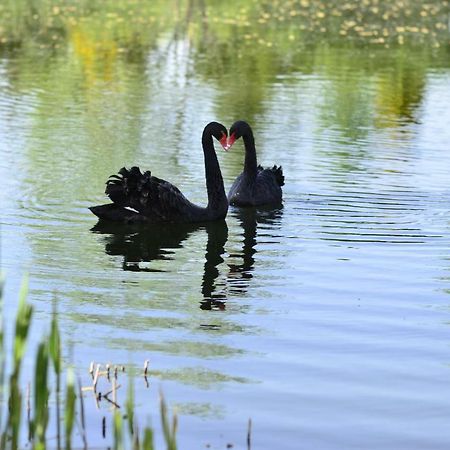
{"x": 326, "y": 321}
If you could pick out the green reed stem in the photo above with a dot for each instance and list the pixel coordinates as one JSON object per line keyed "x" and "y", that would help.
{"x": 169, "y": 431}
{"x": 23, "y": 321}
{"x": 55, "y": 354}
{"x": 2, "y": 357}
{"x": 69, "y": 412}
{"x": 147, "y": 441}
{"x": 118, "y": 430}
{"x": 41, "y": 394}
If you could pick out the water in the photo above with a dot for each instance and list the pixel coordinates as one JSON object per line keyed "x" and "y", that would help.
{"x": 324, "y": 321}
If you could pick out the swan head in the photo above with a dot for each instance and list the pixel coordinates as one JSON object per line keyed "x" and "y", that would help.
{"x": 237, "y": 130}
{"x": 219, "y": 131}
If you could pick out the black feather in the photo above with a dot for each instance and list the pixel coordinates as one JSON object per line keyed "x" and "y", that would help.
{"x": 153, "y": 199}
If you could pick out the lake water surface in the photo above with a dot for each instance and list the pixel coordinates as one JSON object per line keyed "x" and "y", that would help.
{"x": 325, "y": 321}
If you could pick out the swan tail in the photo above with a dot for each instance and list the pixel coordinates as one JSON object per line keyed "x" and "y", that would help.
{"x": 278, "y": 173}
{"x": 140, "y": 197}
{"x": 128, "y": 187}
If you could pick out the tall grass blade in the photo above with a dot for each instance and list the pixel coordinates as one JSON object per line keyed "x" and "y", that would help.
{"x": 55, "y": 354}
{"x": 169, "y": 434}
{"x": 15, "y": 409}
{"x": 129, "y": 406}
{"x": 69, "y": 413}
{"x": 55, "y": 344}
{"x": 2, "y": 357}
{"x": 23, "y": 320}
{"x": 147, "y": 440}
{"x": 82, "y": 420}
{"x": 41, "y": 394}
{"x": 118, "y": 430}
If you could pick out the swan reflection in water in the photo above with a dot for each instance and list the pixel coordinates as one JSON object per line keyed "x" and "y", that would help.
{"x": 240, "y": 274}
{"x": 139, "y": 245}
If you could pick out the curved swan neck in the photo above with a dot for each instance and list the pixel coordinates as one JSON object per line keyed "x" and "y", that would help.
{"x": 250, "y": 165}
{"x": 217, "y": 200}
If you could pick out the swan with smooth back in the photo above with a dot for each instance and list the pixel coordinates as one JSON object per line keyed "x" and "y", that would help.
{"x": 255, "y": 186}
{"x": 143, "y": 198}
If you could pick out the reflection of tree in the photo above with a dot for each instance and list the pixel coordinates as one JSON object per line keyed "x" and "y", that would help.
{"x": 389, "y": 83}
{"x": 242, "y": 74}
{"x": 381, "y": 90}
{"x": 243, "y": 78}
{"x": 71, "y": 115}
{"x": 399, "y": 93}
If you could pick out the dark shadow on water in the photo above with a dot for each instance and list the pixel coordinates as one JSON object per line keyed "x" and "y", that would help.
{"x": 214, "y": 293}
{"x": 140, "y": 245}
{"x": 250, "y": 219}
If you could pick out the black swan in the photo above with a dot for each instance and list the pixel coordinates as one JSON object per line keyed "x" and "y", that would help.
{"x": 255, "y": 186}
{"x": 142, "y": 198}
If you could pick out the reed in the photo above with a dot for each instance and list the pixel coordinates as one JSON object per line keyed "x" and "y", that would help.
{"x": 10, "y": 433}
{"x": 55, "y": 355}
{"x": 49, "y": 363}
{"x": 70, "y": 405}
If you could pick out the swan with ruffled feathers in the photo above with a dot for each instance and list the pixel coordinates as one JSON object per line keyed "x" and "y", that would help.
{"x": 140, "y": 197}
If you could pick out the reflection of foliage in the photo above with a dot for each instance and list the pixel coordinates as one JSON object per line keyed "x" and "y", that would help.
{"x": 399, "y": 92}
{"x": 203, "y": 410}
{"x": 199, "y": 376}
{"x": 197, "y": 349}
{"x": 383, "y": 88}
{"x": 138, "y": 323}
{"x": 242, "y": 45}
{"x": 69, "y": 53}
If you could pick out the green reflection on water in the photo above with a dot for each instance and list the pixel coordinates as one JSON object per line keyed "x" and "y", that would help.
{"x": 203, "y": 410}
{"x": 216, "y": 325}
{"x": 188, "y": 348}
{"x": 198, "y": 376}
{"x": 88, "y": 47}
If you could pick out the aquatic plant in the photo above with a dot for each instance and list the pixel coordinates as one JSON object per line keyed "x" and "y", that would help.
{"x": 38, "y": 406}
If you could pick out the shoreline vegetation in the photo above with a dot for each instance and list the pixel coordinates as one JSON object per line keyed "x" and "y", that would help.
{"x": 26, "y": 411}
{"x": 132, "y": 26}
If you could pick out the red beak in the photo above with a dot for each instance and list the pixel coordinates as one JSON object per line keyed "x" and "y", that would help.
{"x": 230, "y": 142}
{"x": 223, "y": 141}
